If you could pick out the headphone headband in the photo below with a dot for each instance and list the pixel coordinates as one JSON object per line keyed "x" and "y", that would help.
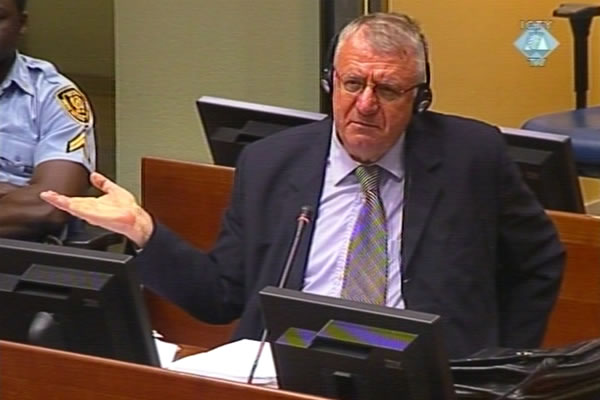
{"x": 424, "y": 96}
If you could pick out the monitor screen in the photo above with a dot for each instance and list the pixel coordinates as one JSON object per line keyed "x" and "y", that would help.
{"x": 343, "y": 349}
{"x": 83, "y": 301}
{"x": 229, "y": 125}
{"x": 547, "y": 165}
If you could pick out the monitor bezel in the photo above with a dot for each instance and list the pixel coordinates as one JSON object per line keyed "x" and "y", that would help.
{"x": 285, "y": 308}
{"x": 216, "y": 113}
{"x": 561, "y": 147}
{"x": 121, "y": 266}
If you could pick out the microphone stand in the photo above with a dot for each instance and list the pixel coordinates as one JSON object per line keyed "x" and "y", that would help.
{"x": 303, "y": 220}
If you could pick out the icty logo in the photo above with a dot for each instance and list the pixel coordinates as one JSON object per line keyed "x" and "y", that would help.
{"x": 536, "y": 43}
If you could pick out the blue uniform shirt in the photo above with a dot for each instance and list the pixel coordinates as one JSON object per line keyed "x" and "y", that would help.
{"x": 43, "y": 116}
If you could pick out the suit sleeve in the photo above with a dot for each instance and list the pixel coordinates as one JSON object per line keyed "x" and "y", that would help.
{"x": 531, "y": 261}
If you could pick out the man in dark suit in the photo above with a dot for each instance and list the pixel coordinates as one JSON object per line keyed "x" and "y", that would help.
{"x": 448, "y": 227}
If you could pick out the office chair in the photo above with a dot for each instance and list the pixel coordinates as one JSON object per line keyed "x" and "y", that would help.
{"x": 80, "y": 234}
{"x": 581, "y": 124}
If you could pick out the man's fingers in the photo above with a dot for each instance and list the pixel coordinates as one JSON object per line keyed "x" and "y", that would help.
{"x": 99, "y": 181}
{"x": 57, "y": 200}
{"x": 81, "y": 207}
{"x": 107, "y": 186}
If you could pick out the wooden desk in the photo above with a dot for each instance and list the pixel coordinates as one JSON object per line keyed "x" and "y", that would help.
{"x": 576, "y": 315}
{"x": 33, "y": 373}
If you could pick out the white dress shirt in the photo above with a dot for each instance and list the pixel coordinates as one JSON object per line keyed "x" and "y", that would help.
{"x": 338, "y": 210}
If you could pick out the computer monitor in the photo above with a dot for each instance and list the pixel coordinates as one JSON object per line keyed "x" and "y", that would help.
{"x": 229, "y": 125}
{"x": 348, "y": 350}
{"x": 547, "y": 165}
{"x": 78, "y": 300}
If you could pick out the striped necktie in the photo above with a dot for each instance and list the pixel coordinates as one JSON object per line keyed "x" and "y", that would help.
{"x": 365, "y": 276}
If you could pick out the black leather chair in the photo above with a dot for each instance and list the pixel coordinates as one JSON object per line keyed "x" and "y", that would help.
{"x": 80, "y": 234}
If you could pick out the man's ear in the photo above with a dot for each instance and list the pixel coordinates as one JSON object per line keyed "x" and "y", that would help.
{"x": 23, "y": 20}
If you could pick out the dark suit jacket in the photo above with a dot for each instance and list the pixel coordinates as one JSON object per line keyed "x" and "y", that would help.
{"x": 477, "y": 248}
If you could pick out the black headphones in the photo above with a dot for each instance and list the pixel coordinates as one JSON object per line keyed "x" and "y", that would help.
{"x": 423, "y": 98}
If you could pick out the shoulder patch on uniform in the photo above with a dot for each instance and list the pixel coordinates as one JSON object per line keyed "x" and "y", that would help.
{"x": 75, "y": 103}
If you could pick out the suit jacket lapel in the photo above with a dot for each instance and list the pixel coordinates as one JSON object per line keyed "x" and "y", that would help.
{"x": 305, "y": 186}
{"x": 423, "y": 157}
{"x": 305, "y": 182}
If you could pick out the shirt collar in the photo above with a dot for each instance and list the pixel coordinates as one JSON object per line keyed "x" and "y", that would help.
{"x": 19, "y": 75}
{"x": 342, "y": 165}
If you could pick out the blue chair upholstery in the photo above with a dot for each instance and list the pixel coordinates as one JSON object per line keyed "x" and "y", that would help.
{"x": 583, "y": 126}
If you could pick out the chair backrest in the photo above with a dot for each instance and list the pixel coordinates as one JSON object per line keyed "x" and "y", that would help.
{"x": 189, "y": 198}
{"x": 576, "y": 315}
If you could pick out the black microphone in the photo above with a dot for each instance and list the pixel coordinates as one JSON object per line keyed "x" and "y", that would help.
{"x": 545, "y": 365}
{"x": 302, "y": 221}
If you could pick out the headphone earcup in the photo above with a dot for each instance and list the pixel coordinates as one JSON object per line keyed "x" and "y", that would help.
{"x": 423, "y": 99}
{"x": 327, "y": 79}
{"x": 327, "y": 72}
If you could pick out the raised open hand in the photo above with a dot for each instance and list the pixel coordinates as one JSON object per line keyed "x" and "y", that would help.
{"x": 116, "y": 210}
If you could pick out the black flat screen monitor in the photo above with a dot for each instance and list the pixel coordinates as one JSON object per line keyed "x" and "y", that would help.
{"x": 548, "y": 167}
{"x": 229, "y": 125}
{"x": 71, "y": 299}
{"x": 348, "y": 350}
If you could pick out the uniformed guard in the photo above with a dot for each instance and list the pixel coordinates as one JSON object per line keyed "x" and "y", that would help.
{"x": 46, "y": 134}
{"x": 45, "y": 117}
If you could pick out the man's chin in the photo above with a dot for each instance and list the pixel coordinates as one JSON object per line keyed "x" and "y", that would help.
{"x": 363, "y": 151}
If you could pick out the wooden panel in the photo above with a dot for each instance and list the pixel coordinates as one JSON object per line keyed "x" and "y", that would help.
{"x": 576, "y": 315}
{"x": 190, "y": 199}
{"x": 33, "y": 373}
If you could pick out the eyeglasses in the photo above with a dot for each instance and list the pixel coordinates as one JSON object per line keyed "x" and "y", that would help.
{"x": 354, "y": 85}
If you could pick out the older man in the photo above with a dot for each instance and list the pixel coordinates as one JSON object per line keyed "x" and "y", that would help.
{"x": 414, "y": 209}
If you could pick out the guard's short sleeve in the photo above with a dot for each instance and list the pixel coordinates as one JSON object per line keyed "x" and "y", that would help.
{"x": 66, "y": 126}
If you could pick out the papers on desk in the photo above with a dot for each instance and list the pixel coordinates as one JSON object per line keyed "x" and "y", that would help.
{"x": 231, "y": 361}
{"x": 166, "y": 351}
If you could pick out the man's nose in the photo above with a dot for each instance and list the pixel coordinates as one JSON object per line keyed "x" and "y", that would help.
{"x": 367, "y": 101}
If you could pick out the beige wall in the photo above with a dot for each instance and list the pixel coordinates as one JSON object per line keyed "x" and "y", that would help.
{"x": 266, "y": 51}
{"x": 170, "y": 53}
{"x": 478, "y": 72}
{"x": 76, "y": 35}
